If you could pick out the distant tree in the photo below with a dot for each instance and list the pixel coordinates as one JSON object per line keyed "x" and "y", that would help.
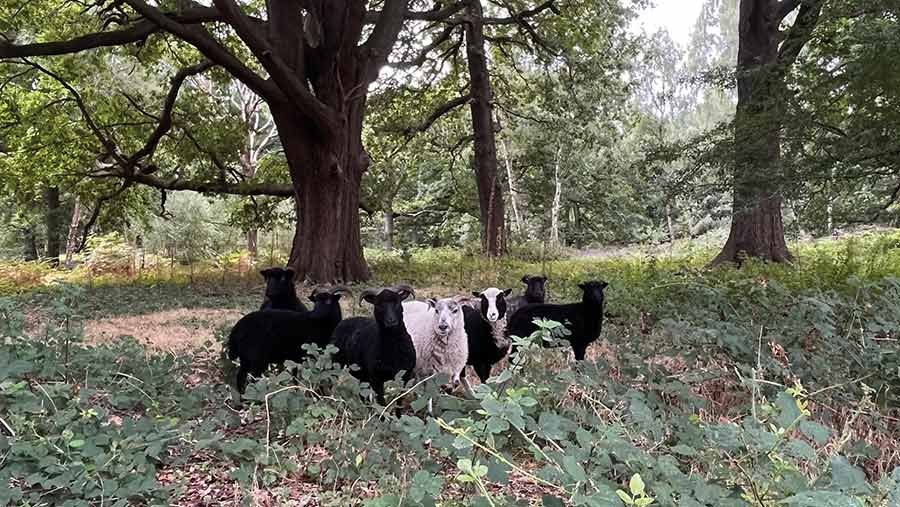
{"x": 765, "y": 56}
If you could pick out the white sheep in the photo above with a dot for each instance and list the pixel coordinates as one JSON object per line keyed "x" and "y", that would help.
{"x": 439, "y": 337}
{"x": 415, "y": 306}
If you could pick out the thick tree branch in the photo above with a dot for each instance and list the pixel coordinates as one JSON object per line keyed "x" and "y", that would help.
{"x": 135, "y": 33}
{"x": 380, "y": 42}
{"x": 295, "y": 90}
{"x": 165, "y": 119}
{"x": 438, "y": 113}
{"x": 785, "y": 7}
{"x": 799, "y": 34}
{"x": 519, "y": 17}
{"x": 123, "y": 168}
{"x": 439, "y": 14}
{"x": 214, "y": 187}
{"x": 198, "y": 37}
{"x": 423, "y": 54}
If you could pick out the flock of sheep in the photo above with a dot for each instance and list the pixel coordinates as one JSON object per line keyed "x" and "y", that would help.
{"x": 419, "y": 338}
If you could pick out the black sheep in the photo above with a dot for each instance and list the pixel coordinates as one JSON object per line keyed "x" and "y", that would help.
{"x": 268, "y": 337}
{"x": 381, "y": 347}
{"x": 280, "y": 291}
{"x": 484, "y": 328}
{"x": 534, "y": 293}
{"x": 584, "y": 320}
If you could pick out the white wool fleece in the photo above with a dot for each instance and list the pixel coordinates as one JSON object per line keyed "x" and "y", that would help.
{"x": 439, "y": 337}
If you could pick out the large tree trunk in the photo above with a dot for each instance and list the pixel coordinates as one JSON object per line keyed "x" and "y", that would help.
{"x": 72, "y": 237}
{"x": 757, "y": 228}
{"x": 326, "y": 176}
{"x": 490, "y": 193}
{"x": 53, "y": 221}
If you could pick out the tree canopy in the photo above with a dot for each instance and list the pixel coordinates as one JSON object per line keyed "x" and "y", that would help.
{"x": 600, "y": 133}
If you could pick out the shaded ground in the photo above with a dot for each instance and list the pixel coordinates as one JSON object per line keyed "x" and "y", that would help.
{"x": 179, "y": 329}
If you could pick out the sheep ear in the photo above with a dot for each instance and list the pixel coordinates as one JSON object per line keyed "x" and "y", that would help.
{"x": 582, "y": 286}
{"x": 507, "y": 292}
{"x": 525, "y": 279}
{"x": 311, "y": 298}
{"x": 603, "y": 285}
{"x": 369, "y": 298}
{"x": 431, "y": 302}
{"x": 403, "y": 293}
{"x": 476, "y": 293}
{"x": 290, "y": 273}
{"x": 266, "y": 273}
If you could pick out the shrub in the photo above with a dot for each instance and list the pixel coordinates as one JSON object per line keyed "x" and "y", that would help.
{"x": 109, "y": 254}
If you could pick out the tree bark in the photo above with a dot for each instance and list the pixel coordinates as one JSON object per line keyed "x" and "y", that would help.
{"x": 253, "y": 244}
{"x": 513, "y": 197}
{"x": 490, "y": 193}
{"x": 669, "y": 223}
{"x": 388, "y": 229}
{"x": 326, "y": 164}
{"x": 53, "y": 222}
{"x": 326, "y": 176}
{"x": 757, "y": 227}
{"x": 29, "y": 244}
{"x": 72, "y": 237}
{"x": 557, "y": 198}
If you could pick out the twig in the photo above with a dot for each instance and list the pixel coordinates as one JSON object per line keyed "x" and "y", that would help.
{"x": 6, "y": 425}
{"x": 820, "y": 391}
{"x": 498, "y": 456}
{"x": 268, "y": 419}
{"x": 748, "y": 477}
{"x": 404, "y": 393}
{"x": 757, "y": 374}
{"x": 127, "y": 376}
{"x": 48, "y": 396}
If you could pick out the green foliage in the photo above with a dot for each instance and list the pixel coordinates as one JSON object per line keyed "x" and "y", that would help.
{"x": 109, "y": 254}
{"x": 742, "y": 421}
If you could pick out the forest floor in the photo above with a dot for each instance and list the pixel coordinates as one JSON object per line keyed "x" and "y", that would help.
{"x": 653, "y": 369}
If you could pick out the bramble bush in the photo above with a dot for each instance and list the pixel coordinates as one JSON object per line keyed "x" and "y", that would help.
{"x": 765, "y": 386}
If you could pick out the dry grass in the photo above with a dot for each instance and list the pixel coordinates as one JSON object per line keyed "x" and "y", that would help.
{"x": 180, "y": 329}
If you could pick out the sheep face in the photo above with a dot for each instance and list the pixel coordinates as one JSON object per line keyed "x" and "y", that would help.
{"x": 324, "y": 301}
{"x": 534, "y": 288}
{"x": 447, "y": 315}
{"x": 279, "y": 282}
{"x": 593, "y": 291}
{"x": 493, "y": 303}
{"x": 388, "y": 305}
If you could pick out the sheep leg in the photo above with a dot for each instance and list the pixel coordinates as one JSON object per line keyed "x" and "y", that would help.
{"x": 466, "y": 386}
{"x": 241, "y": 380}
{"x": 378, "y": 387}
{"x": 579, "y": 349}
{"x": 483, "y": 370}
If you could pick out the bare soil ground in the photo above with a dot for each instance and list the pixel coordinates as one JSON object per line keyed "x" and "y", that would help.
{"x": 179, "y": 329}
